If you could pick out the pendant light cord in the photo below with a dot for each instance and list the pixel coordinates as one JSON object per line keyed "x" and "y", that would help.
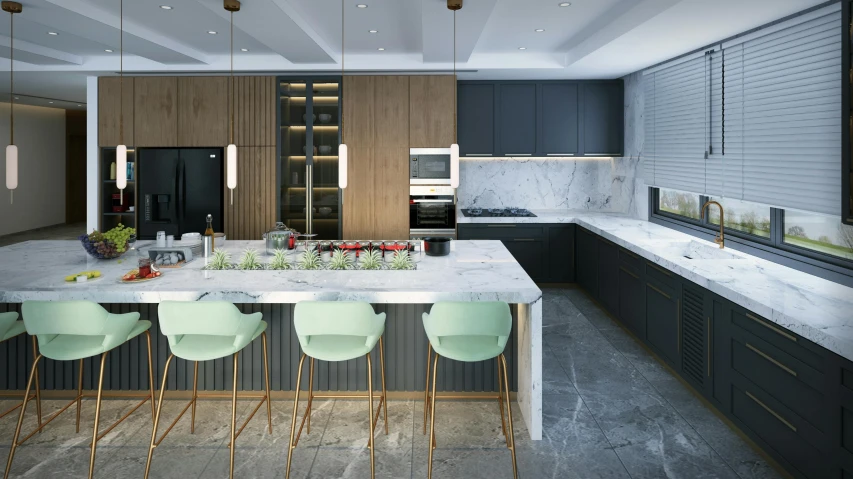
{"x": 231, "y": 103}
{"x": 12, "y": 78}
{"x": 121, "y": 73}
{"x": 343, "y": 64}
{"x": 455, "y": 139}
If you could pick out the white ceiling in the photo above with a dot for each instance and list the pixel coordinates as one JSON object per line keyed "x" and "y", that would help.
{"x": 589, "y": 39}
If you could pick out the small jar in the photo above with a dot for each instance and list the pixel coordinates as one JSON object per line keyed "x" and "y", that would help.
{"x": 325, "y": 251}
{"x": 389, "y": 249}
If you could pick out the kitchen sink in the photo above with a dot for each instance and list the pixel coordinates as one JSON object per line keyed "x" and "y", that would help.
{"x": 697, "y": 250}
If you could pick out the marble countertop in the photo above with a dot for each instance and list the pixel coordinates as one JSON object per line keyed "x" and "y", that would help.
{"x": 815, "y": 308}
{"x": 474, "y": 270}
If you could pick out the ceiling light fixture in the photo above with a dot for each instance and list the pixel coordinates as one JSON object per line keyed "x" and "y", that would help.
{"x": 454, "y": 6}
{"x": 12, "y": 149}
{"x": 244, "y": 49}
{"x": 565, "y": 4}
{"x": 108, "y": 50}
{"x": 52, "y": 33}
{"x": 373, "y": 31}
{"x": 540, "y": 30}
{"x": 361, "y": 5}
{"x": 165, "y": 7}
{"x": 231, "y": 151}
{"x": 381, "y": 49}
{"x": 211, "y": 32}
{"x": 522, "y": 48}
{"x": 343, "y": 151}
{"x": 121, "y": 149}
{"x": 50, "y": 102}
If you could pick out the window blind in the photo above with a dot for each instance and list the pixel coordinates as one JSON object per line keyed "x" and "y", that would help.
{"x": 782, "y": 114}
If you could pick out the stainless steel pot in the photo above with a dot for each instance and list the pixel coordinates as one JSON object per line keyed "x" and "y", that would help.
{"x": 278, "y": 238}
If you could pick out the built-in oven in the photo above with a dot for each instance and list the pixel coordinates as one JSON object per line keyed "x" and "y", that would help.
{"x": 429, "y": 166}
{"x": 432, "y": 211}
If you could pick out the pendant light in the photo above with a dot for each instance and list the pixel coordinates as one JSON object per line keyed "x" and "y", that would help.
{"x": 12, "y": 149}
{"x": 343, "y": 151}
{"x": 231, "y": 151}
{"x": 454, "y": 5}
{"x": 121, "y": 149}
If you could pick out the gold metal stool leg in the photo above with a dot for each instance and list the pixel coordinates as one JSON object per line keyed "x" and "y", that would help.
{"x": 383, "y": 403}
{"x": 310, "y": 395}
{"x": 511, "y": 437}
{"x": 194, "y": 398}
{"x": 267, "y": 381}
{"x": 38, "y": 389}
{"x": 370, "y": 424}
{"x": 432, "y": 417}
{"x": 292, "y": 444}
{"x": 33, "y": 372}
{"x": 157, "y": 416}
{"x": 97, "y": 416}
{"x": 151, "y": 376}
{"x": 501, "y": 398}
{"x": 426, "y": 386}
{"x": 79, "y": 392}
{"x": 233, "y": 417}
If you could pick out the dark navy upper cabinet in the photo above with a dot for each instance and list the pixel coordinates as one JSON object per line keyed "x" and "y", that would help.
{"x": 517, "y": 115}
{"x": 476, "y": 119}
{"x": 602, "y": 118}
{"x": 559, "y": 119}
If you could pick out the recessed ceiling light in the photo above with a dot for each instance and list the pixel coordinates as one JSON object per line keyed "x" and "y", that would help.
{"x": 361, "y": 5}
{"x": 79, "y": 105}
{"x": 108, "y": 50}
{"x": 50, "y": 102}
{"x": 52, "y": 33}
{"x": 165, "y": 7}
{"x": 565, "y": 4}
{"x": 211, "y": 32}
{"x": 373, "y": 31}
{"x": 244, "y": 49}
{"x": 381, "y": 49}
{"x": 522, "y": 48}
{"x": 540, "y": 30}
{"x": 17, "y": 98}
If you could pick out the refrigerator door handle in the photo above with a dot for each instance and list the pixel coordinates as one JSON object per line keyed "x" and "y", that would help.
{"x": 177, "y": 191}
{"x": 183, "y": 194}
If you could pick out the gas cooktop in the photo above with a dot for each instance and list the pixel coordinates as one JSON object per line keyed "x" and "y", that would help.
{"x": 497, "y": 212}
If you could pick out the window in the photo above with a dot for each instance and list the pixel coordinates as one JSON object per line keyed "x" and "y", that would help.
{"x": 824, "y": 234}
{"x": 680, "y": 203}
{"x": 750, "y": 218}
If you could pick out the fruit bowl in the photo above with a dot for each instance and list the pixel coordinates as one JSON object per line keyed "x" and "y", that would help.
{"x": 110, "y": 245}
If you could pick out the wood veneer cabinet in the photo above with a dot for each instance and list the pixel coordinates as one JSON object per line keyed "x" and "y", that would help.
{"x": 254, "y": 208}
{"x": 110, "y": 110}
{"x": 155, "y": 108}
{"x": 431, "y": 103}
{"x": 255, "y": 100}
{"x": 203, "y": 118}
{"x": 360, "y": 195}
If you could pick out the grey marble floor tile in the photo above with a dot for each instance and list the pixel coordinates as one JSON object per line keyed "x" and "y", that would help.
{"x": 554, "y": 377}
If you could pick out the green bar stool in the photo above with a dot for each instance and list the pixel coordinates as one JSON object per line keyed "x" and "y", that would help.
{"x": 10, "y": 327}
{"x": 73, "y": 331}
{"x": 338, "y": 331}
{"x": 469, "y": 332}
{"x": 204, "y": 331}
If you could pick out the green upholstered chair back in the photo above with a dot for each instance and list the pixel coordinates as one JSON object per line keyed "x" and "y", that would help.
{"x": 491, "y": 318}
{"x": 73, "y": 318}
{"x": 340, "y": 318}
{"x": 6, "y": 322}
{"x": 210, "y": 318}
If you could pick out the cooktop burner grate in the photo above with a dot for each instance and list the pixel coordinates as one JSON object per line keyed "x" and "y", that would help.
{"x": 497, "y": 213}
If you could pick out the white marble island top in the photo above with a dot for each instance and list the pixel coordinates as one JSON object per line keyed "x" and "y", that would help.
{"x": 474, "y": 271}
{"x": 815, "y": 308}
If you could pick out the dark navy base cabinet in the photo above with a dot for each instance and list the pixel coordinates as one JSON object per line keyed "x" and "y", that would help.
{"x": 793, "y": 398}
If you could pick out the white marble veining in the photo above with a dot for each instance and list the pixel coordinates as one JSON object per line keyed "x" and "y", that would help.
{"x": 815, "y": 308}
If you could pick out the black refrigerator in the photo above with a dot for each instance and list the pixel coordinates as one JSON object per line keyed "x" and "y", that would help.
{"x": 178, "y": 188}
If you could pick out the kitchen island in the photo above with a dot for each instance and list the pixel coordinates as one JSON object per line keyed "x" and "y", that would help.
{"x": 474, "y": 271}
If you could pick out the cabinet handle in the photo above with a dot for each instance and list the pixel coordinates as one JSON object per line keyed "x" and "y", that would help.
{"x": 767, "y": 357}
{"x": 678, "y": 319}
{"x": 772, "y": 328}
{"x": 519, "y": 154}
{"x": 478, "y": 154}
{"x": 510, "y": 225}
{"x": 660, "y": 269}
{"x": 601, "y": 154}
{"x": 524, "y": 239}
{"x": 559, "y": 154}
{"x": 709, "y": 346}
{"x": 774, "y": 413}
{"x": 659, "y": 291}
{"x": 629, "y": 253}
{"x": 630, "y": 273}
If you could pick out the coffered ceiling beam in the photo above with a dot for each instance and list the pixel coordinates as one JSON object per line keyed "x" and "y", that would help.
{"x": 437, "y": 29}
{"x": 36, "y": 54}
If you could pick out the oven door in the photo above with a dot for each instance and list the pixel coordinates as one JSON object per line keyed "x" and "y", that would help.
{"x": 432, "y": 213}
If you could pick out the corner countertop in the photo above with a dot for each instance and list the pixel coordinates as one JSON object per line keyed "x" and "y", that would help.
{"x": 815, "y": 308}
{"x": 473, "y": 271}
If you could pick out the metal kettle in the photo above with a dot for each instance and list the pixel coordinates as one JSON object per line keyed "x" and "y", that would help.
{"x": 280, "y": 237}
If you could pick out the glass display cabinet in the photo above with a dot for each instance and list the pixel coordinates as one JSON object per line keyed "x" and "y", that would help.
{"x": 309, "y": 116}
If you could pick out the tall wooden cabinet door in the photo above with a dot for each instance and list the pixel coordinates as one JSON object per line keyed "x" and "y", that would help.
{"x": 155, "y": 108}
{"x": 203, "y": 115}
{"x": 391, "y": 107}
{"x": 359, "y": 196}
{"x": 358, "y": 111}
{"x": 254, "y": 209}
{"x": 432, "y": 111}
{"x": 255, "y": 107}
{"x": 559, "y": 119}
{"x": 110, "y": 110}
{"x": 391, "y": 193}
{"x": 517, "y": 119}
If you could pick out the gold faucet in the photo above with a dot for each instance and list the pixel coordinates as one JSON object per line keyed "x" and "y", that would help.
{"x": 721, "y": 238}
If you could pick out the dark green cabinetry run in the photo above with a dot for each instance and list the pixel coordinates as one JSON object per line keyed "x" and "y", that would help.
{"x": 792, "y": 397}
{"x": 546, "y": 252}
{"x": 543, "y": 118}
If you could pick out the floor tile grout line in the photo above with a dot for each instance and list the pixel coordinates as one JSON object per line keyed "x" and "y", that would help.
{"x": 597, "y": 424}
{"x": 322, "y": 435}
{"x": 726, "y": 462}
{"x": 246, "y": 408}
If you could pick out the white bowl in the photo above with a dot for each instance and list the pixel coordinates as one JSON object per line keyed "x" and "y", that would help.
{"x": 325, "y": 117}
{"x": 324, "y": 210}
{"x": 191, "y": 237}
{"x": 325, "y": 149}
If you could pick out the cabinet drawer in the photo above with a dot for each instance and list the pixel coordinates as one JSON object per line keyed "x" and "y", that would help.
{"x": 501, "y": 231}
{"x": 788, "y": 380}
{"x": 801, "y": 349}
{"x": 630, "y": 259}
{"x": 766, "y": 420}
{"x": 660, "y": 275}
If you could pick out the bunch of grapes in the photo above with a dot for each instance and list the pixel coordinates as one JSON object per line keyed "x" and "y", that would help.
{"x": 111, "y": 244}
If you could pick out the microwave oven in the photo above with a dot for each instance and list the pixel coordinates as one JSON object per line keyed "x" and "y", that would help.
{"x": 429, "y": 166}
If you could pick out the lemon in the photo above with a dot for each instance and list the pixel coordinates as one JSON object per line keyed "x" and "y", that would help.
{"x": 71, "y": 278}
{"x": 96, "y": 274}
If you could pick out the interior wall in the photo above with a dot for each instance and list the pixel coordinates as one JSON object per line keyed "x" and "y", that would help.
{"x": 39, "y": 200}
{"x": 631, "y": 165}
{"x": 75, "y": 166}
